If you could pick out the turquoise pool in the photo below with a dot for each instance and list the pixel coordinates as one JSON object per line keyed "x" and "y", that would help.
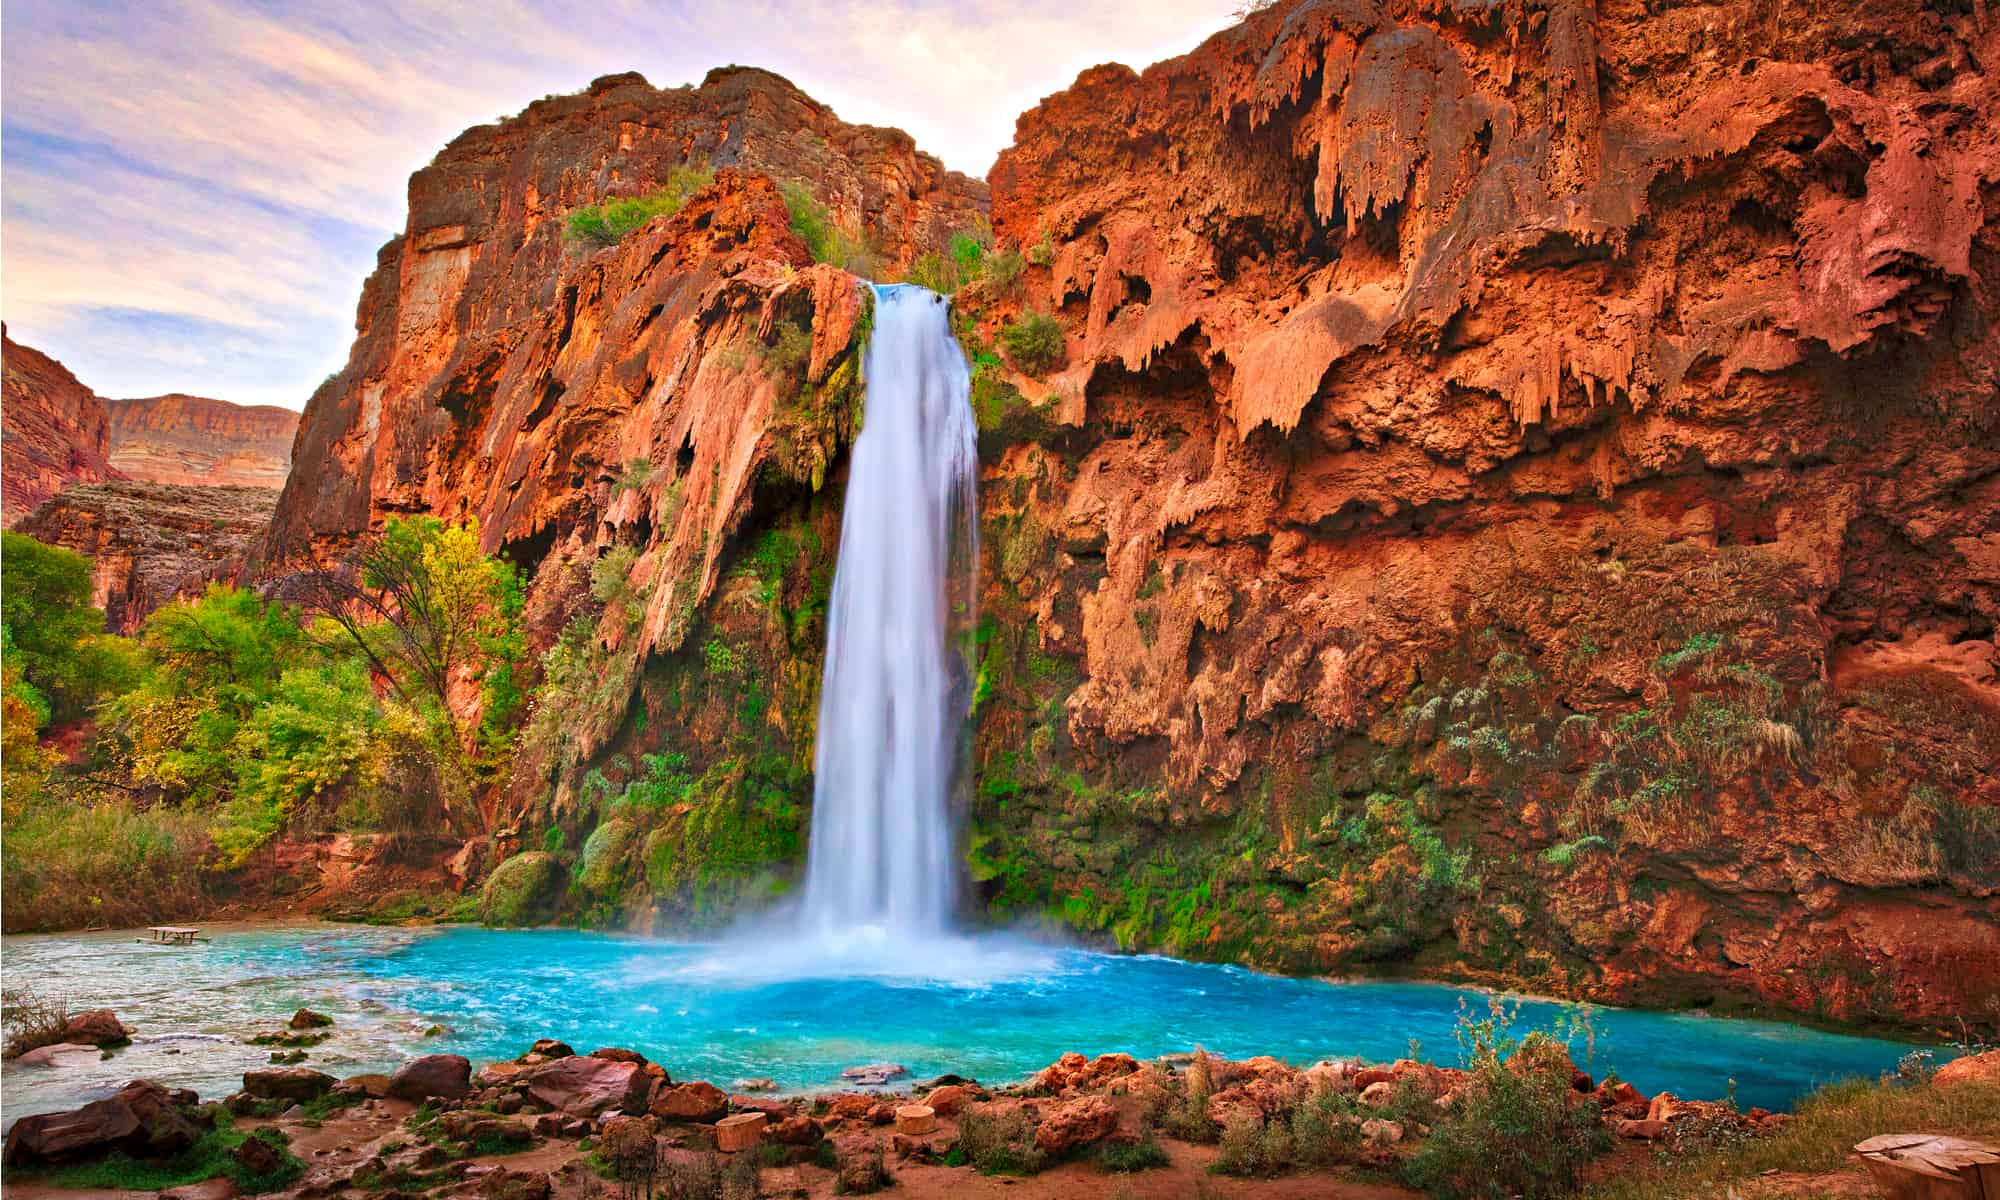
{"x": 993, "y": 1008}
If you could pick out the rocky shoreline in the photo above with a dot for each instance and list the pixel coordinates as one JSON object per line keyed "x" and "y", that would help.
{"x": 553, "y": 1122}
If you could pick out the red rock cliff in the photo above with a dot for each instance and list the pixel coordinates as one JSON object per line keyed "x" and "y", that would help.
{"x": 56, "y": 431}
{"x": 468, "y": 334}
{"x": 197, "y": 441}
{"x": 1522, "y": 501}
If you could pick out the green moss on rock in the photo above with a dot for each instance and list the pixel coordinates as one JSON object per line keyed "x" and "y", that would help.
{"x": 522, "y": 890}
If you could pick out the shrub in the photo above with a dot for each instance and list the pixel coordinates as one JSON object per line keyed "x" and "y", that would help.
{"x": 31, "y": 1020}
{"x": 607, "y": 224}
{"x": 1253, "y": 1147}
{"x": 1324, "y": 1132}
{"x": 70, "y": 865}
{"x": 997, "y": 1143}
{"x": 1034, "y": 341}
{"x": 1186, "y": 1113}
{"x": 1125, "y": 1158}
{"x": 825, "y": 241}
{"x": 1514, "y": 1131}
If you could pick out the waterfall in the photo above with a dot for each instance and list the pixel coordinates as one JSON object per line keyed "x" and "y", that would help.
{"x": 894, "y": 695}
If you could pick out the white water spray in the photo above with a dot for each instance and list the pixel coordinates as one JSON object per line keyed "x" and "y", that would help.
{"x": 895, "y": 691}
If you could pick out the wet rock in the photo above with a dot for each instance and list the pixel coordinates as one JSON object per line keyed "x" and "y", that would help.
{"x": 699, "y": 1101}
{"x": 551, "y": 1048}
{"x": 288, "y": 1057}
{"x": 97, "y": 1027}
{"x": 306, "y": 1018}
{"x": 287, "y": 1083}
{"x": 617, "y": 1054}
{"x": 141, "y": 1119}
{"x": 874, "y": 1074}
{"x": 740, "y": 1132}
{"x": 916, "y": 1120}
{"x": 62, "y": 1054}
{"x": 586, "y": 1087}
{"x": 1074, "y": 1124}
{"x": 433, "y": 1076}
{"x": 756, "y": 1085}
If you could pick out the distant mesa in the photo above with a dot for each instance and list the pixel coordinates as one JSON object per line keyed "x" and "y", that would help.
{"x": 195, "y": 440}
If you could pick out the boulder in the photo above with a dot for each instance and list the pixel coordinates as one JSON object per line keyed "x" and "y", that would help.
{"x": 916, "y": 1120}
{"x": 586, "y": 1087}
{"x": 851, "y": 1106}
{"x": 500, "y": 1074}
{"x": 62, "y": 1054}
{"x": 522, "y": 890}
{"x": 550, "y": 1048}
{"x": 256, "y": 1157}
{"x": 699, "y": 1101}
{"x": 777, "y": 1110}
{"x": 615, "y": 1054}
{"x": 142, "y": 1119}
{"x": 740, "y": 1132}
{"x": 1381, "y": 1132}
{"x": 759, "y": 1084}
{"x": 97, "y": 1027}
{"x": 1074, "y": 1124}
{"x": 1973, "y": 1068}
{"x": 946, "y": 1101}
{"x": 858, "y": 1165}
{"x": 434, "y": 1076}
{"x": 287, "y": 1083}
{"x": 306, "y": 1018}
{"x": 874, "y": 1074}
{"x": 1642, "y": 1130}
{"x": 795, "y": 1131}
{"x": 1378, "y": 1094}
{"x": 515, "y": 1185}
{"x": 1367, "y": 1077}
{"x": 472, "y": 1125}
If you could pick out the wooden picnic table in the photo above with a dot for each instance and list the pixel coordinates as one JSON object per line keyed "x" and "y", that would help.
{"x": 174, "y": 935}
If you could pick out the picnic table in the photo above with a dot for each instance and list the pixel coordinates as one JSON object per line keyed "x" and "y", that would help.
{"x": 173, "y": 935}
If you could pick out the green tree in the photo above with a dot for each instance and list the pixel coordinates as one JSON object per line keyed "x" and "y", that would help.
{"x": 54, "y": 636}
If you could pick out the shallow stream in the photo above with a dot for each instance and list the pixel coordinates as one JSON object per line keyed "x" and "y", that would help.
{"x": 993, "y": 1008}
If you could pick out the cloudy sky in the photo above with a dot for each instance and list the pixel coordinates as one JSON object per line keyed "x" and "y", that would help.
{"x": 194, "y": 189}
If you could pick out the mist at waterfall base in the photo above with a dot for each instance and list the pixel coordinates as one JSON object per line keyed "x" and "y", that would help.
{"x": 895, "y": 689}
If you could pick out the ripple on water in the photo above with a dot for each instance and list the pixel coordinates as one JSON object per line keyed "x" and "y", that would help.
{"x": 991, "y": 1006}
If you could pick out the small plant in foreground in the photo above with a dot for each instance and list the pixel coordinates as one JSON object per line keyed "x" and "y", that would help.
{"x": 31, "y": 1020}
{"x": 1185, "y": 1115}
{"x": 1514, "y": 1131}
{"x": 1125, "y": 1158}
{"x": 997, "y": 1143}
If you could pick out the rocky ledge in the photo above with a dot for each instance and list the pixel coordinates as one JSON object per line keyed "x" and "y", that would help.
{"x": 553, "y": 1122}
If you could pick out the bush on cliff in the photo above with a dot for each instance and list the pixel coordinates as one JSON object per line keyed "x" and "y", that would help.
{"x": 1034, "y": 342}
{"x": 607, "y": 224}
{"x": 826, "y": 241}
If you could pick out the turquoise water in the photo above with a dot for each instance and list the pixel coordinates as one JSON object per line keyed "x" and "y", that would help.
{"x": 994, "y": 1008}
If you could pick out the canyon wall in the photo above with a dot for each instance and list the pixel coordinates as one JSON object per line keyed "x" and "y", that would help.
{"x": 152, "y": 543}
{"x": 55, "y": 431}
{"x": 1520, "y": 499}
{"x": 201, "y": 442}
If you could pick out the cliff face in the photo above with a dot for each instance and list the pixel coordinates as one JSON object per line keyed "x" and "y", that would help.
{"x": 1523, "y": 501}
{"x": 201, "y": 442}
{"x": 56, "y": 431}
{"x": 150, "y": 543}
{"x": 461, "y": 394}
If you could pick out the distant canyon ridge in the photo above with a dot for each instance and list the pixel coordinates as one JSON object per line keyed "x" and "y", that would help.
{"x": 1496, "y": 491}
{"x": 164, "y": 493}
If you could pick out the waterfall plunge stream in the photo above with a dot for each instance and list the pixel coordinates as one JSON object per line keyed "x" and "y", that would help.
{"x": 895, "y": 691}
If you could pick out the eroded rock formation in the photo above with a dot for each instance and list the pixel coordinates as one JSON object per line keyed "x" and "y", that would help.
{"x": 201, "y": 442}
{"x": 56, "y": 431}
{"x": 1524, "y": 500}
{"x": 150, "y": 543}
{"x": 1521, "y": 501}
